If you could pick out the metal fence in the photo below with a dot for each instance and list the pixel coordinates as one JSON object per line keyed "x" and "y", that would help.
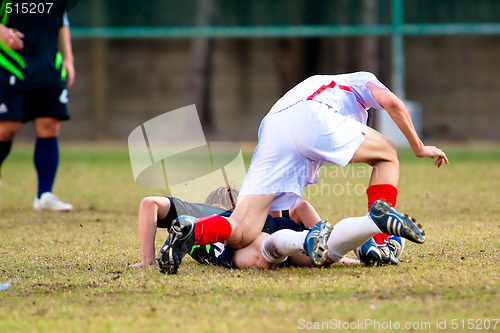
{"x": 281, "y": 18}
{"x": 287, "y": 18}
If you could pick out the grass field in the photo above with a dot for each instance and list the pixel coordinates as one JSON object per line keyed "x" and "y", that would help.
{"x": 69, "y": 271}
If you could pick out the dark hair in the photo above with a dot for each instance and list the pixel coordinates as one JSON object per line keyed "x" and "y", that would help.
{"x": 222, "y": 197}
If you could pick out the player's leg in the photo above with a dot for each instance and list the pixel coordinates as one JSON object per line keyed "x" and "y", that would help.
{"x": 247, "y": 219}
{"x": 46, "y": 152}
{"x": 47, "y": 108}
{"x": 290, "y": 242}
{"x": 251, "y": 257}
{"x": 349, "y": 234}
{"x": 46, "y": 160}
{"x": 151, "y": 210}
{"x": 8, "y": 130}
{"x": 379, "y": 152}
{"x": 304, "y": 213}
{"x": 239, "y": 230}
{"x": 11, "y": 116}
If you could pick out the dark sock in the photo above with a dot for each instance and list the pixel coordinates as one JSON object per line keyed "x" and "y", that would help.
{"x": 4, "y": 151}
{"x": 46, "y": 159}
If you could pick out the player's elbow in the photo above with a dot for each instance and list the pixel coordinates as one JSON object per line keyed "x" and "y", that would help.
{"x": 391, "y": 102}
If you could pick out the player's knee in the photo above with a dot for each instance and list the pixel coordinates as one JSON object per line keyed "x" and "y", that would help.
{"x": 393, "y": 154}
{"x": 303, "y": 205}
{"x": 47, "y": 127}
{"x": 389, "y": 152}
{"x": 8, "y": 131}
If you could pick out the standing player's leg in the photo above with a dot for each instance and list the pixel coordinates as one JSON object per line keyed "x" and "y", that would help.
{"x": 47, "y": 108}
{"x": 11, "y": 116}
{"x": 8, "y": 130}
{"x": 46, "y": 160}
{"x": 46, "y": 152}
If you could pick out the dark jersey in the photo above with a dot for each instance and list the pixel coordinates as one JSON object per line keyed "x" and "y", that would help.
{"x": 38, "y": 64}
{"x": 218, "y": 254}
{"x": 198, "y": 210}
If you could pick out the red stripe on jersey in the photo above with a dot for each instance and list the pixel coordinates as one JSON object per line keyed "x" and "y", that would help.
{"x": 332, "y": 85}
{"x": 321, "y": 89}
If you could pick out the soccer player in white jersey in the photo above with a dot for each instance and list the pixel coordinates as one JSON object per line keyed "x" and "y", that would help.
{"x": 322, "y": 119}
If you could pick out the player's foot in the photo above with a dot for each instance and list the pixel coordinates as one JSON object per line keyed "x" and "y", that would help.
{"x": 373, "y": 254}
{"x": 48, "y": 201}
{"x": 315, "y": 244}
{"x": 396, "y": 244}
{"x": 179, "y": 242}
{"x": 391, "y": 222}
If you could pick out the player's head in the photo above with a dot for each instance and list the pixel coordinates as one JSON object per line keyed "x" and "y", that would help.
{"x": 222, "y": 197}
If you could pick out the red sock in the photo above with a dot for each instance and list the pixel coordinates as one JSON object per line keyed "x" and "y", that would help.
{"x": 212, "y": 229}
{"x": 387, "y": 192}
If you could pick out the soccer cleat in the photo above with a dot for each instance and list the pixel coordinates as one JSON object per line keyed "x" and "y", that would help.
{"x": 49, "y": 201}
{"x": 373, "y": 254}
{"x": 179, "y": 242}
{"x": 396, "y": 244}
{"x": 391, "y": 222}
{"x": 315, "y": 244}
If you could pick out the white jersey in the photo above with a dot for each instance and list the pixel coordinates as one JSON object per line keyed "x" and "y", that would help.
{"x": 345, "y": 93}
{"x": 321, "y": 120}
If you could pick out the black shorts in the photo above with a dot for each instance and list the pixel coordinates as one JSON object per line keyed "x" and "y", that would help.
{"x": 221, "y": 255}
{"x": 25, "y": 105}
{"x": 274, "y": 224}
{"x": 179, "y": 207}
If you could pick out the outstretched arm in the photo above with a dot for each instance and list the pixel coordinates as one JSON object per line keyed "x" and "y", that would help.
{"x": 397, "y": 110}
{"x": 151, "y": 209}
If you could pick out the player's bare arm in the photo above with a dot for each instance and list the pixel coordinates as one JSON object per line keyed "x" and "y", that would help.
{"x": 67, "y": 54}
{"x": 11, "y": 38}
{"x": 397, "y": 111}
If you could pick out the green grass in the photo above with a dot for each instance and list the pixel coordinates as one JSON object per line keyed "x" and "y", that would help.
{"x": 69, "y": 271}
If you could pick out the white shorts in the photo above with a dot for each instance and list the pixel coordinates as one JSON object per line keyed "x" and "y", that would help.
{"x": 293, "y": 144}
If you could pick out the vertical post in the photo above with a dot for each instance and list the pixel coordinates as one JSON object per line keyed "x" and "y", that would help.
{"x": 398, "y": 56}
{"x": 99, "y": 80}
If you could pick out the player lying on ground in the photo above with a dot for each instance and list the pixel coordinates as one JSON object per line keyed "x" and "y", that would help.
{"x": 348, "y": 235}
{"x": 159, "y": 212}
{"x": 271, "y": 249}
{"x": 321, "y": 120}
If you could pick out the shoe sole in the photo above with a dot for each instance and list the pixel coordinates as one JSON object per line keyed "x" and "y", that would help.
{"x": 398, "y": 224}
{"x": 320, "y": 248}
{"x": 167, "y": 266}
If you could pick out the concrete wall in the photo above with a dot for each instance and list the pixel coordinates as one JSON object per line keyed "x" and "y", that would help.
{"x": 122, "y": 83}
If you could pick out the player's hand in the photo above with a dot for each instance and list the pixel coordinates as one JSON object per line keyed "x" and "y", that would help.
{"x": 69, "y": 66}
{"x": 12, "y": 38}
{"x": 432, "y": 152}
